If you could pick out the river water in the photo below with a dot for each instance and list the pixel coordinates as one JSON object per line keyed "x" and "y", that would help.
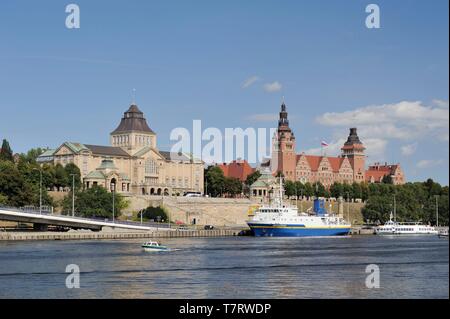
{"x": 231, "y": 267}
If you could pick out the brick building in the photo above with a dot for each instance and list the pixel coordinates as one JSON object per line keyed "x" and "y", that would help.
{"x": 348, "y": 167}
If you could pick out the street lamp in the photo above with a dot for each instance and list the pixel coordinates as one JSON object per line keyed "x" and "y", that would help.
{"x": 113, "y": 190}
{"x": 73, "y": 194}
{"x": 301, "y": 201}
{"x": 40, "y": 188}
{"x": 348, "y": 207}
{"x": 437, "y": 210}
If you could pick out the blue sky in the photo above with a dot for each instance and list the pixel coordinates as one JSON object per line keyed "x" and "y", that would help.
{"x": 190, "y": 59}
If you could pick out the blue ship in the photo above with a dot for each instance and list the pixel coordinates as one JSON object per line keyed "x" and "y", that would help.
{"x": 279, "y": 220}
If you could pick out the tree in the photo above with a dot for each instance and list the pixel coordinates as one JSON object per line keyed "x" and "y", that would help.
{"x": 232, "y": 186}
{"x": 300, "y": 189}
{"x": 356, "y": 191}
{"x": 95, "y": 202}
{"x": 70, "y": 169}
{"x": 253, "y": 177}
{"x": 387, "y": 179}
{"x": 32, "y": 155}
{"x": 309, "y": 190}
{"x": 289, "y": 188}
{"x": 319, "y": 189}
{"x": 6, "y": 153}
{"x": 336, "y": 190}
{"x": 215, "y": 180}
{"x": 377, "y": 209}
{"x": 158, "y": 214}
{"x": 3, "y": 199}
{"x": 60, "y": 178}
{"x": 19, "y": 190}
{"x": 279, "y": 174}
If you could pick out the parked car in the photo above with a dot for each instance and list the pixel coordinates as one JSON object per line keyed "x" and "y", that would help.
{"x": 192, "y": 194}
{"x": 209, "y": 227}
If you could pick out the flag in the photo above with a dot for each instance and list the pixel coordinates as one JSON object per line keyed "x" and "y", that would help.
{"x": 323, "y": 143}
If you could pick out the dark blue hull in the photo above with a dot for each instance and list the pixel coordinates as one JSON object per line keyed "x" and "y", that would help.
{"x": 280, "y": 231}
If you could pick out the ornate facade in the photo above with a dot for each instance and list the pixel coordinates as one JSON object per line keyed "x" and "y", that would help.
{"x": 349, "y": 167}
{"x": 133, "y": 163}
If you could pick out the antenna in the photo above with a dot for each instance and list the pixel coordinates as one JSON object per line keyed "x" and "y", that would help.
{"x": 133, "y": 96}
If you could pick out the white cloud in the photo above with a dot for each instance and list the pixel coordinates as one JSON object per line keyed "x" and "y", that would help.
{"x": 400, "y": 119}
{"x": 429, "y": 163}
{"x": 441, "y": 103}
{"x": 408, "y": 121}
{"x": 273, "y": 87}
{"x": 250, "y": 81}
{"x": 403, "y": 121}
{"x": 375, "y": 148}
{"x": 263, "y": 117}
{"x": 332, "y": 149}
{"x": 409, "y": 149}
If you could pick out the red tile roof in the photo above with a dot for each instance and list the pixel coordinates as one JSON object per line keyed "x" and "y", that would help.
{"x": 314, "y": 162}
{"x": 237, "y": 169}
{"x": 379, "y": 171}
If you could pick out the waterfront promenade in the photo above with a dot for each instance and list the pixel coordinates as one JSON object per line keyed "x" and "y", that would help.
{"x": 83, "y": 235}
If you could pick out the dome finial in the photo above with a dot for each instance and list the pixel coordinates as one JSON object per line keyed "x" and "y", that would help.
{"x": 133, "y": 97}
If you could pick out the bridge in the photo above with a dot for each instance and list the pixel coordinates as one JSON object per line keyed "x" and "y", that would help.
{"x": 41, "y": 220}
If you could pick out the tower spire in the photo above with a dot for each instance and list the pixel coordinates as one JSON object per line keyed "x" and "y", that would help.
{"x": 133, "y": 97}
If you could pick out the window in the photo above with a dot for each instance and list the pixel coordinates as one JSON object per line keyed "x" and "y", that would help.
{"x": 151, "y": 167}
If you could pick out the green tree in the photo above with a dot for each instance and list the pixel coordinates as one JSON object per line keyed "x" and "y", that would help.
{"x": 356, "y": 191}
{"x": 3, "y": 199}
{"x": 300, "y": 189}
{"x": 95, "y": 202}
{"x": 215, "y": 181}
{"x": 289, "y": 188}
{"x": 18, "y": 190}
{"x": 158, "y": 214}
{"x": 253, "y": 177}
{"x": 232, "y": 186}
{"x": 6, "y": 153}
{"x": 73, "y": 169}
{"x": 336, "y": 190}
{"x": 309, "y": 190}
{"x": 60, "y": 178}
{"x": 387, "y": 179}
{"x": 319, "y": 190}
{"x": 377, "y": 209}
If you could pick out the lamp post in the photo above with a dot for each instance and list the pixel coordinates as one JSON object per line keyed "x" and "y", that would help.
{"x": 113, "y": 189}
{"x": 395, "y": 209}
{"x": 73, "y": 194}
{"x": 40, "y": 189}
{"x": 348, "y": 207}
{"x": 301, "y": 201}
{"x": 437, "y": 210}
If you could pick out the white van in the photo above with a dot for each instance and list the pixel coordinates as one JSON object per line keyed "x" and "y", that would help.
{"x": 192, "y": 194}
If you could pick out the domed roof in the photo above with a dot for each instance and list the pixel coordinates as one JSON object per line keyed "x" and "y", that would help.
{"x": 133, "y": 120}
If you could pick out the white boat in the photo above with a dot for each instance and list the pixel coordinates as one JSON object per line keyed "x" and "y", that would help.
{"x": 154, "y": 246}
{"x": 280, "y": 220}
{"x": 409, "y": 228}
{"x": 443, "y": 233}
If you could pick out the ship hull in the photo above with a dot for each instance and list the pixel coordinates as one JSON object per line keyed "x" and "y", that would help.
{"x": 296, "y": 231}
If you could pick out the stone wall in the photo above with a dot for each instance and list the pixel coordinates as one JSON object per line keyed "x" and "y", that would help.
{"x": 220, "y": 211}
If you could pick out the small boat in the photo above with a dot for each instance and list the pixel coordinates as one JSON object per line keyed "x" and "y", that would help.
{"x": 154, "y": 246}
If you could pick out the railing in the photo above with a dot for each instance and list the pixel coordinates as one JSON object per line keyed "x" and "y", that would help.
{"x": 95, "y": 219}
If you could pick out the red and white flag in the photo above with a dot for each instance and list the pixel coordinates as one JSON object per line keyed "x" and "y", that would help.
{"x": 323, "y": 143}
